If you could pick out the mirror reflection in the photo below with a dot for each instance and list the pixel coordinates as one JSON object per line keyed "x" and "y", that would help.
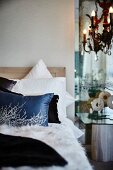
{"x": 94, "y": 69}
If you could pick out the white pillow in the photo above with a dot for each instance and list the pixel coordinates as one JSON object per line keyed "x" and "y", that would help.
{"x": 40, "y": 71}
{"x": 42, "y": 86}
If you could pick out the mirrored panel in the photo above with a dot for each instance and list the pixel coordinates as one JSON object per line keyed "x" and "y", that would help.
{"x": 93, "y": 70}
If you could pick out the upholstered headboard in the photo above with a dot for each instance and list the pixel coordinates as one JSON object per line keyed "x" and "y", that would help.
{"x": 20, "y": 72}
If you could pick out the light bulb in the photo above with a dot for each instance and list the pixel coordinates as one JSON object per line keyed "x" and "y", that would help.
{"x": 111, "y": 9}
{"x": 84, "y": 31}
{"x": 84, "y": 35}
{"x": 93, "y": 13}
{"x": 108, "y": 20}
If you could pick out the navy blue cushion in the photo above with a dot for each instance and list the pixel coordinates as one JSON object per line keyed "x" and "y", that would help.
{"x": 17, "y": 110}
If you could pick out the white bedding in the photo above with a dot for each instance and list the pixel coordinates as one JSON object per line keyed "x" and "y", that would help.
{"x": 62, "y": 137}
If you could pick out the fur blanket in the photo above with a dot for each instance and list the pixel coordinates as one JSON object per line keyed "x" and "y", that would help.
{"x": 61, "y": 137}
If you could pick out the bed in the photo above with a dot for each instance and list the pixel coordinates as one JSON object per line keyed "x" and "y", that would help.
{"x": 61, "y": 137}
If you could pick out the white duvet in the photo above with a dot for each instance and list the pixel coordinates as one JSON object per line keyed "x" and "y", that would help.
{"x": 62, "y": 137}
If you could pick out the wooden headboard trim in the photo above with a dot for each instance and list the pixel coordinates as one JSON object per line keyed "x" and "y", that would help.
{"x": 20, "y": 72}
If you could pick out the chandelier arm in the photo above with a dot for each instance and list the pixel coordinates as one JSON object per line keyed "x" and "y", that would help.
{"x": 97, "y": 40}
{"x": 84, "y": 44}
{"x": 88, "y": 16}
{"x": 98, "y": 37}
{"x": 87, "y": 51}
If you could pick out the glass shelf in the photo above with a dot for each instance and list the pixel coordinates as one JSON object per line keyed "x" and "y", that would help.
{"x": 87, "y": 118}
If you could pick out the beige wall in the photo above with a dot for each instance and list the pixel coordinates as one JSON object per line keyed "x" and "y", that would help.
{"x": 34, "y": 29}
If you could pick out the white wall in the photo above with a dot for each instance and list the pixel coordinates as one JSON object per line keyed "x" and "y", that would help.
{"x": 34, "y": 29}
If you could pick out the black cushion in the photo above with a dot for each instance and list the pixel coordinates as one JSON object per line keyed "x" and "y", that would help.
{"x": 6, "y": 83}
{"x": 8, "y": 91}
{"x": 53, "y": 111}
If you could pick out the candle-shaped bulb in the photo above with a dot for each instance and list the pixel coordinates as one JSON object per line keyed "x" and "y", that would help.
{"x": 93, "y": 19}
{"x": 111, "y": 15}
{"x": 84, "y": 31}
{"x": 84, "y": 35}
{"x": 93, "y": 13}
{"x": 111, "y": 9}
{"x": 108, "y": 20}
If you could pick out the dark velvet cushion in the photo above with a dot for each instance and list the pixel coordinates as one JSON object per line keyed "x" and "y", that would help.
{"x": 6, "y": 83}
{"x": 8, "y": 91}
{"x": 53, "y": 111}
{"x": 18, "y": 110}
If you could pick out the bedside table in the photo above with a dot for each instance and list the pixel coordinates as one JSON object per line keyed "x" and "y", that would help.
{"x": 98, "y": 133}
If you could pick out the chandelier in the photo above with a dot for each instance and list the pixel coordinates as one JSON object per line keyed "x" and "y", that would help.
{"x": 97, "y": 41}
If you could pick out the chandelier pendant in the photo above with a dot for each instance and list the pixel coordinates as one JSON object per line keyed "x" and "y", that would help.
{"x": 99, "y": 41}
